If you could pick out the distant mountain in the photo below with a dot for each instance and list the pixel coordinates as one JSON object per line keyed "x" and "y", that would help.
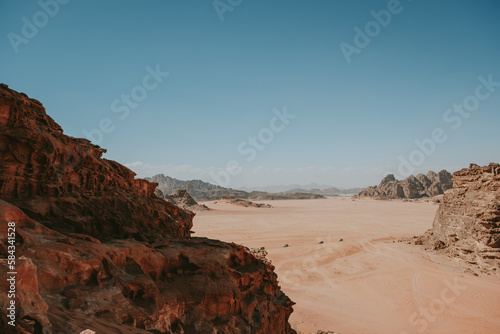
{"x": 419, "y": 186}
{"x": 263, "y": 196}
{"x": 199, "y": 190}
{"x": 332, "y": 191}
{"x": 312, "y": 188}
{"x": 203, "y": 191}
{"x": 285, "y": 188}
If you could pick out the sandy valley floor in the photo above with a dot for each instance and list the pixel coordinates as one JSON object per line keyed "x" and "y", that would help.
{"x": 369, "y": 282}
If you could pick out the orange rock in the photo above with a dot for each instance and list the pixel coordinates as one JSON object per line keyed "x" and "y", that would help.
{"x": 65, "y": 184}
{"x": 98, "y": 250}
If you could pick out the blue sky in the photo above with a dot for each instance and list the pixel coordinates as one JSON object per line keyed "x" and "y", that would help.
{"x": 354, "y": 121}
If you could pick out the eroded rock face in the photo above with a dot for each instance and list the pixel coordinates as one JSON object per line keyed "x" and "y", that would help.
{"x": 419, "y": 186}
{"x": 64, "y": 183}
{"x": 96, "y": 247}
{"x": 177, "y": 286}
{"x": 467, "y": 223}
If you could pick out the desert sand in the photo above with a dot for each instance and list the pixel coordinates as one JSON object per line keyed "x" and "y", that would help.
{"x": 369, "y": 282}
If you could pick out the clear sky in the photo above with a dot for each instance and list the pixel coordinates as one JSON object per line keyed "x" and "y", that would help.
{"x": 358, "y": 92}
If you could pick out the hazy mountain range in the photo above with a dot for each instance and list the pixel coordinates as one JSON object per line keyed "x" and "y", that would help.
{"x": 314, "y": 188}
{"x": 204, "y": 191}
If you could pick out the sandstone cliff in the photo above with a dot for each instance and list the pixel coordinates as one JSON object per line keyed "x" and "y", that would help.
{"x": 64, "y": 183}
{"x": 467, "y": 223}
{"x": 412, "y": 187}
{"x": 95, "y": 246}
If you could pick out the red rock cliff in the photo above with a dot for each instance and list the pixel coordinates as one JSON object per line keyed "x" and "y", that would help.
{"x": 96, "y": 249}
{"x": 65, "y": 184}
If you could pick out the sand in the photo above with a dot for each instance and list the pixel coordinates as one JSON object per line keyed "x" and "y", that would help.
{"x": 369, "y": 282}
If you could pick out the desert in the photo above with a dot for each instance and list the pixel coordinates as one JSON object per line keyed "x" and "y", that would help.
{"x": 249, "y": 167}
{"x": 89, "y": 245}
{"x": 374, "y": 281}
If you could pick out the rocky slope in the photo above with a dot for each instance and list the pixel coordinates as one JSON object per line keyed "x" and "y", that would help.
{"x": 467, "y": 223}
{"x": 204, "y": 191}
{"x": 94, "y": 245}
{"x": 64, "y": 183}
{"x": 183, "y": 199}
{"x": 245, "y": 203}
{"x": 419, "y": 186}
{"x": 200, "y": 190}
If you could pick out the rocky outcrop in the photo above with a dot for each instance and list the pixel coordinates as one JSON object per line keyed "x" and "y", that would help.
{"x": 419, "y": 186}
{"x": 245, "y": 203}
{"x": 184, "y": 200}
{"x": 94, "y": 245}
{"x": 467, "y": 223}
{"x": 63, "y": 182}
{"x": 177, "y": 286}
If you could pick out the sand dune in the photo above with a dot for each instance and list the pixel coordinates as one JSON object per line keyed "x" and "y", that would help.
{"x": 369, "y": 282}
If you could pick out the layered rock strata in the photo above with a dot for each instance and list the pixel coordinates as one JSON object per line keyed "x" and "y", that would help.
{"x": 467, "y": 223}
{"x": 97, "y": 247}
{"x": 419, "y": 186}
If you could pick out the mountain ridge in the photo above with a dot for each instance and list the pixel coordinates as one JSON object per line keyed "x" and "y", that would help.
{"x": 205, "y": 191}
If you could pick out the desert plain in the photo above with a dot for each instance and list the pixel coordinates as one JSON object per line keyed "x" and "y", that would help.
{"x": 366, "y": 276}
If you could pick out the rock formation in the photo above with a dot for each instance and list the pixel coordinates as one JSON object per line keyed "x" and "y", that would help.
{"x": 419, "y": 186}
{"x": 95, "y": 246}
{"x": 204, "y": 191}
{"x": 467, "y": 223}
{"x": 184, "y": 200}
{"x": 199, "y": 190}
{"x": 63, "y": 182}
{"x": 245, "y": 203}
